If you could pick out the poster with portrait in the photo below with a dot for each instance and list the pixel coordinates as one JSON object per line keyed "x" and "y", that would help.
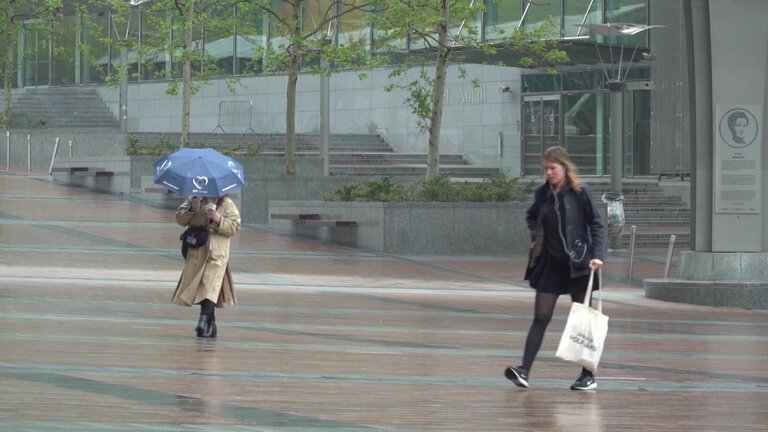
{"x": 738, "y": 159}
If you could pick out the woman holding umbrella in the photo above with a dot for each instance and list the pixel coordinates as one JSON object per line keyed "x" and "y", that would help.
{"x": 212, "y": 218}
{"x": 206, "y": 279}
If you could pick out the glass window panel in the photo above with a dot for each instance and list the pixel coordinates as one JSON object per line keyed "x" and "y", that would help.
{"x": 126, "y": 28}
{"x": 575, "y": 13}
{"x": 153, "y": 46}
{"x": 36, "y": 60}
{"x": 580, "y": 130}
{"x": 96, "y": 51}
{"x": 250, "y": 39}
{"x": 64, "y": 52}
{"x": 419, "y": 43}
{"x": 354, "y": 28}
{"x": 278, "y": 40}
{"x": 628, "y": 12}
{"x": 539, "y": 83}
{"x": 317, "y": 13}
{"x": 318, "y": 17}
{"x": 198, "y": 43}
{"x": 580, "y": 80}
{"x": 18, "y": 53}
{"x": 539, "y": 12}
{"x": 29, "y": 61}
{"x": 172, "y": 30}
{"x": 639, "y": 73}
{"x": 501, "y": 17}
{"x": 220, "y": 41}
{"x": 393, "y": 45}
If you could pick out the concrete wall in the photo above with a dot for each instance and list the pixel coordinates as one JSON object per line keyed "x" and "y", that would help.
{"x": 739, "y": 47}
{"x": 473, "y": 117}
{"x": 91, "y": 142}
{"x": 416, "y": 228}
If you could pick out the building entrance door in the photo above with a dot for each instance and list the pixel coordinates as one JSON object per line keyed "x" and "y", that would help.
{"x": 541, "y": 129}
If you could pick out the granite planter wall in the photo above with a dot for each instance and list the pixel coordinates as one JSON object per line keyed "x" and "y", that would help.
{"x": 414, "y": 228}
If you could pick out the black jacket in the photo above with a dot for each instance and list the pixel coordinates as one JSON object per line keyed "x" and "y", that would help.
{"x": 583, "y": 226}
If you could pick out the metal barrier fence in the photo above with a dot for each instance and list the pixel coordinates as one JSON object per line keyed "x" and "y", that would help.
{"x": 235, "y": 113}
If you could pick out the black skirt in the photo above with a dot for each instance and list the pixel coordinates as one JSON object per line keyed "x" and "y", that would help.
{"x": 553, "y": 276}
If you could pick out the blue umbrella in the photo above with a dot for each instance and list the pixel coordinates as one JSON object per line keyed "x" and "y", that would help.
{"x": 199, "y": 172}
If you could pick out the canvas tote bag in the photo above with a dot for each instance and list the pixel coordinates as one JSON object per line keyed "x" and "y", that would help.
{"x": 585, "y": 331}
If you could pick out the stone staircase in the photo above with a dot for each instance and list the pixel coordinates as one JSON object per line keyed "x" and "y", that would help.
{"x": 655, "y": 214}
{"x": 350, "y": 154}
{"x": 61, "y": 107}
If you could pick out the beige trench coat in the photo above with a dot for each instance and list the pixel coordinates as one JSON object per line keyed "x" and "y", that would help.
{"x": 206, "y": 272}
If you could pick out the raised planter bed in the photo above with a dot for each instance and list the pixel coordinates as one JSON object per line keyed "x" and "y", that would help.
{"x": 489, "y": 229}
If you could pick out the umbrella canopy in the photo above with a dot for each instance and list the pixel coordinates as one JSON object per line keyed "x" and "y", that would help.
{"x": 199, "y": 172}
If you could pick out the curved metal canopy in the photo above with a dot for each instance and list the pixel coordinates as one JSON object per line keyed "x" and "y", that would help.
{"x": 617, "y": 29}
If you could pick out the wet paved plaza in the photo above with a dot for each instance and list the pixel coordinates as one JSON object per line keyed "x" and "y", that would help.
{"x": 331, "y": 338}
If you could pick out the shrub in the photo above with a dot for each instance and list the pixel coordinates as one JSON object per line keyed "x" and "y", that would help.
{"x": 383, "y": 189}
{"x": 498, "y": 188}
{"x": 160, "y": 148}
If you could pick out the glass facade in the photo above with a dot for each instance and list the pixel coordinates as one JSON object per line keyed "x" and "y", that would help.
{"x": 500, "y": 18}
{"x": 570, "y": 108}
{"x": 233, "y": 47}
{"x": 537, "y": 13}
{"x": 579, "y": 106}
{"x": 577, "y": 12}
{"x": 628, "y": 11}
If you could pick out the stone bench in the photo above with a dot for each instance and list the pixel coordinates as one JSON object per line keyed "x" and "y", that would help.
{"x": 93, "y": 173}
{"x": 313, "y": 219}
{"x": 295, "y": 216}
{"x": 330, "y": 223}
{"x": 74, "y": 169}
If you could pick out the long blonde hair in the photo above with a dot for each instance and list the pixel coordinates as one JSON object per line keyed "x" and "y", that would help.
{"x": 559, "y": 155}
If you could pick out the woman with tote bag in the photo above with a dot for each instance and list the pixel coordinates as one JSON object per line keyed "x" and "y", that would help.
{"x": 568, "y": 242}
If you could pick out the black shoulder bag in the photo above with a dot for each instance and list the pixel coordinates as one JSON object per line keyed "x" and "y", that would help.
{"x": 193, "y": 237}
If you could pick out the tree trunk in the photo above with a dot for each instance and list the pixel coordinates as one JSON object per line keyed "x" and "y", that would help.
{"x": 438, "y": 91}
{"x": 290, "y": 94}
{"x": 186, "y": 77}
{"x": 7, "y": 80}
{"x": 290, "y": 117}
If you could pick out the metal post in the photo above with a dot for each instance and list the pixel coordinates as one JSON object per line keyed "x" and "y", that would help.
{"x": 669, "y": 255}
{"x": 325, "y": 106}
{"x": 632, "y": 235}
{"x": 124, "y": 90}
{"x": 7, "y": 150}
{"x": 617, "y": 134}
{"x": 617, "y": 146}
{"x": 53, "y": 157}
{"x": 29, "y": 153}
{"x": 70, "y": 149}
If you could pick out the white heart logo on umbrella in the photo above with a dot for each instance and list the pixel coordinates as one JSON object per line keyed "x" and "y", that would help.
{"x": 234, "y": 169}
{"x": 200, "y": 181}
{"x": 166, "y": 164}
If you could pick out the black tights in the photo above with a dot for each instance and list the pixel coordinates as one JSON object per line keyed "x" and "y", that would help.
{"x": 207, "y": 307}
{"x": 542, "y": 315}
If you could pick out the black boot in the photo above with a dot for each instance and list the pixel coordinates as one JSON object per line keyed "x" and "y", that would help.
{"x": 211, "y": 330}
{"x": 202, "y": 326}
